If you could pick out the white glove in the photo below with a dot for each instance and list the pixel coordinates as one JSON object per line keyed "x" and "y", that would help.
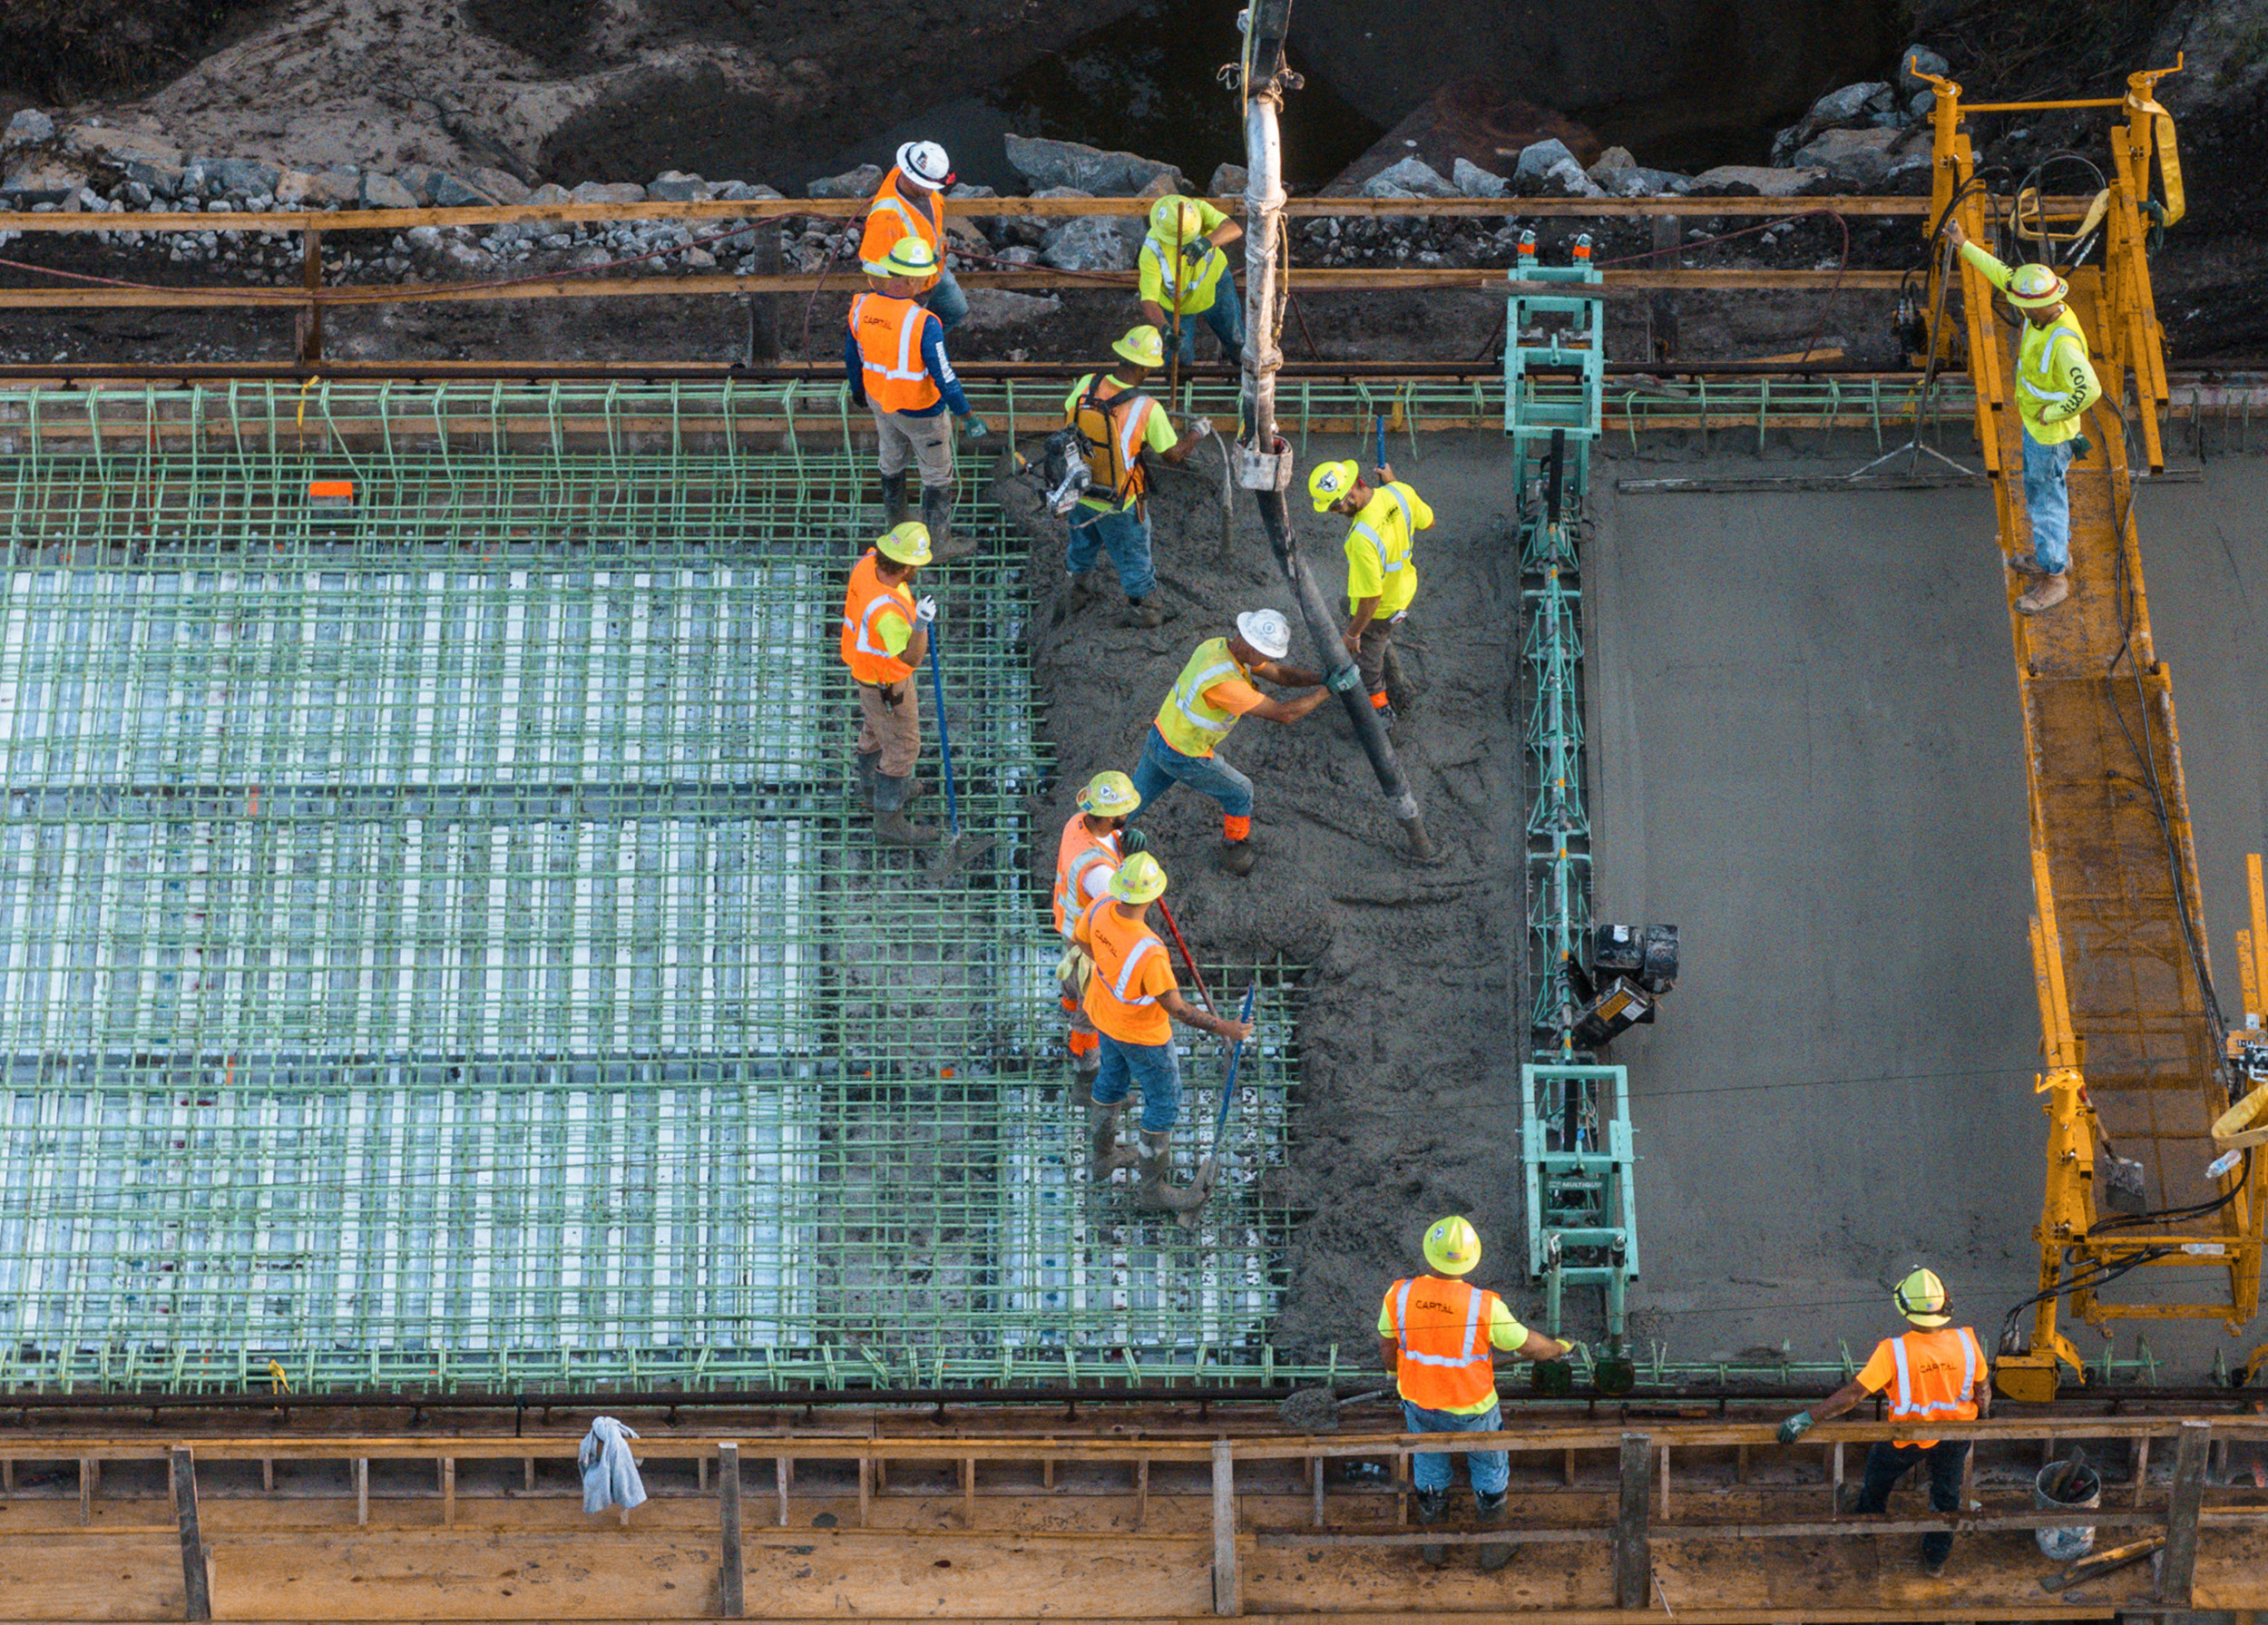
{"x": 1202, "y": 427}
{"x": 924, "y": 611}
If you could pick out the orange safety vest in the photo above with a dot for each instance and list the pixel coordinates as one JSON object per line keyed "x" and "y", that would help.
{"x": 1441, "y": 1329}
{"x": 1933, "y": 1375}
{"x": 1076, "y": 855}
{"x": 865, "y": 607}
{"x": 1116, "y": 433}
{"x": 889, "y": 333}
{"x": 1121, "y": 947}
{"x": 900, "y": 209}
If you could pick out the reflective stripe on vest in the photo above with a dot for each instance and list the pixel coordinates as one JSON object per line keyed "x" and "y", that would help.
{"x": 1389, "y": 567}
{"x": 1127, "y": 445}
{"x": 1127, "y": 966}
{"x": 1473, "y": 1298}
{"x": 2046, "y": 359}
{"x": 1902, "y": 1405}
{"x": 895, "y": 377}
{"x": 862, "y": 647}
{"x": 1188, "y": 694}
{"x": 1069, "y": 901}
{"x": 1166, "y": 260}
{"x": 919, "y": 227}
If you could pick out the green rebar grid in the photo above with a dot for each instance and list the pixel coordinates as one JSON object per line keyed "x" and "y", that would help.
{"x": 439, "y": 944}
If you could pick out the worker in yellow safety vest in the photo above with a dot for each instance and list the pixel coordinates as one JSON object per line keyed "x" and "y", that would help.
{"x": 1381, "y": 575}
{"x": 885, "y": 635}
{"x": 1119, "y": 426}
{"x": 1213, "y": 691}
{"x": 2055, "y": 386}
{"x": 1132, "y": 999}
{"x": 893, "y": 355}
{"x": 1938, "y": 1372}
{"x": 908, "y": 204}
{"x": 1437, "y": 1334}
{"x": 1094, "y": 841}
{"x": 1181, "y": 275}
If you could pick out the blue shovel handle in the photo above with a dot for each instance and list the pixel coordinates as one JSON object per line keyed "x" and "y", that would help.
{"x": 944, "y": 739}
{"x": 1229, "y": 1085}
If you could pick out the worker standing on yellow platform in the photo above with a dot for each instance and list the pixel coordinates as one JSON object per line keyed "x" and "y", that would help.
{"x": 1182, "y": 276}
{"x": 893, "y": 355}
{"x": 2055, "y": 386}
{"x": 1438, "y": 1335}
{"x": 907, "y": 204}
{"x": 1936, "y": 1373}
{"x": 1381, "y": 575}
{"x": 885, "y": 635}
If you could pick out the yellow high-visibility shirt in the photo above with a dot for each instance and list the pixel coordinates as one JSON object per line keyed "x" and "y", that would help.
{"x": 1170, "y": 282}
{"x": 1378, "y": 561}
{"x": 2055, "y": 380}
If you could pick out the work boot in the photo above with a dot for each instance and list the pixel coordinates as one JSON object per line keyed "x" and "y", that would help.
{"x": 2025, "y": 564}
{"x": 2046, "y": 592}
{"x": 1386, "y": 717}
{"x": 869, "y": 764}
{"x": 1493, "y": 1516}
{"x": 1932, "y": 1567}
{"x": 1109, "y": 1154}
{"x": 937, "y": 515}
{"x": 1236, "y": 857}
{"x": 1079, "y": 596}
{"x": 891, "y": 827}
{"x": 1084, "y": 1070}
{"x": 895, "y": 512}
{"x": 1431, "y": 1505}
{"x": 1157, "y": 1156}
{"x": 1147, "y": 612}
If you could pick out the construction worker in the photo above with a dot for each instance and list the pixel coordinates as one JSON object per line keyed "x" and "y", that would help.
{"x": 1381, "y": 575}
{"x": 1119, "y": 426}
{"x": 1438, "y": 1335}
{"x": 907, "y": 204}
{"x": 1181, "y": 274}
{"x": 1213, "y": 690}
{"x": 1094, "y": 841}
{"x": 1933, "y": 1374}
{"x": 885, "y": 635}
{"x": 2055, "y": 386}
{"x": 894, "y": 352}
{"x": 1131, "y": 999}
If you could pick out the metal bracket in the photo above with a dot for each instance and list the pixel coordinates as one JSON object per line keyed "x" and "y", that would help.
{"x": 1264, "y": 471}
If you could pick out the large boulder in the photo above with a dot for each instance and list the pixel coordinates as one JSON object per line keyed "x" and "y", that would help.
{"x": 1856, "y": 160}
{"x": 1473, "y": 181}
{"x": 27, "y": 127}
{"x": 1229, "y": 181}
{"x": 1853, "y": 104}
{"x": 454, "y": 191}
{"x": 1566, "y": 179}
{"x": 1746, "y": 180}
{"x": 500, "y": 184}
{"x": 1052, "y": 164}
{"x": 1536, "y": 159}
{"x": 675, "y": 186}
{"x": 383, "y": 191}
{"x": 1087, "y": 244}
{"x": 859, "y": 182}
{"x": 1612, "y": 165}
{"x": 609, "y": 191}
{"x": 41, "y": 178}
{"x": 245, "y": 177}
{"x": 342, "y": 187}
{"x": 1917, "y": 61}
{"x": 1410, "y": 178}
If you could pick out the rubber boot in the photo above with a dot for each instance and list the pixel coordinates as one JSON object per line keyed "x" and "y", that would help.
{"x": 1108, "y": 1154}
{"x": 1236, "y": 857}
{"x": 1147, "y": 612}
{"x": 869, "y": 764}
{"x": 1155, "y": 1194}
{"x": 891, "y": 827}
{"x": 2046, "y": 592}
{"x": 895, "y": 512}
{"x": 1431, "y": 1505}
{"x": 1493, "y": 1516}
{"x": 937, "y": 515}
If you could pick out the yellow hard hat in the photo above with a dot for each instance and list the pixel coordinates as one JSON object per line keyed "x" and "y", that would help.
{"x": 1141, "y": 878}
{"x": 1142, "y": 346}
{"x": 1108, "y": 795}
{"x": 909, "y": 256}
{"x": 1176, "y": 217}
{"x": 1452, "y": 1246}
{"x": 1922, "y": 1298}
{"x": 907, "y": 543}
{"x": 2036, "y": 286}
{"x": 1331, "y": 481}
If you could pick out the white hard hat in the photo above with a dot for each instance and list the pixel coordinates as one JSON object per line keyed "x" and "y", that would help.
{"x": 1266, "y": 631}
{"x": 925, "y": 163}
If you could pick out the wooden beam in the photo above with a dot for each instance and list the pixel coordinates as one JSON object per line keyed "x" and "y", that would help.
{"x": 1634, "y": 1557}
{"x": 196, "y": 1583}
{"x": 2177, "y": 1569}
{"x": 1227, "y": 1579}
{"x": 730, "y": 1604}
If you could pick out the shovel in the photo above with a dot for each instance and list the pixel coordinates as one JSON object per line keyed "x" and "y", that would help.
{"x": 1316, "y": 1410}
{"x": 1211, "y": 1167}
{"x": 2102, "y": 1563}
{"x": 951, "y": 856}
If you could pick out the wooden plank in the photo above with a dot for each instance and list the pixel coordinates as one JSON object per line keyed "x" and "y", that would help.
{"x": 448, "y": 1490}
{"x": 196, "y": 1583}
{"x": 731, "y": 1572}
{"x": 1634, "y": 1560}
{"x": 1228, "y": 1582}
{"x": 68, "y": 1575}
{"x": 2177, "y": 1568}
{"x": 779, "y": 1467}
{"x": 362, "y": 1490}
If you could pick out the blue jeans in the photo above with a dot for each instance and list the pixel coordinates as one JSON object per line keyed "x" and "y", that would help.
{"x": 1162, "y": 765}
{"x": 1490, "y": 1471}
{"x": 946, "y": 302}
{"x": 1154, "y": 1067}
{"x": 1226, "y": 317}
{"x": 1125, "y": 536}
{"x": 1886, "y": 1463}
{"x": 2048, "y": 501}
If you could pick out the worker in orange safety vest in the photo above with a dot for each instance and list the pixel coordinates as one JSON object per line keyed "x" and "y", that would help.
{"x": 885, "y": 634}
{"x": 893, "y": 358}
{"x": 1094, "y": 841}
{"x": 1438, "y": 1335}
{"x": 907, "y": 204}
{"x": 1938, "y": 1372}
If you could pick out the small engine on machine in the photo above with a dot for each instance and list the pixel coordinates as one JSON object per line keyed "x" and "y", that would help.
{"x": 1631, "y": 968}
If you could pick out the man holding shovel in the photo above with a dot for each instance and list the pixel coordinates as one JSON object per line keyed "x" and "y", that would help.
{"x": 885, "y": 634}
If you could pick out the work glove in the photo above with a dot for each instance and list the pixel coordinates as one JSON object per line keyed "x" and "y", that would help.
{"x": 924, "y": 609}
{"x": 2082, "y": 447}
{"x": 1202, "y": 427}
{"x": 1131, "y": 841}
{"x": 1796, "y": 1427}
{"x": 1574, "y": 1350}
{"x": 1196, "y": 248}
{"x": 978, "y": 427}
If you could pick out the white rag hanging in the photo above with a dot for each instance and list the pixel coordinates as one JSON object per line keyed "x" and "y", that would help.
{"x": 609, "y": 1472}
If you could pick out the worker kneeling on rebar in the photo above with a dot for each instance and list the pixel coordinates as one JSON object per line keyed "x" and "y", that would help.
{"x": 1438, "y": 1335}
{"x": 1933, "y": 1374}
{"x": 1132, "y": 999}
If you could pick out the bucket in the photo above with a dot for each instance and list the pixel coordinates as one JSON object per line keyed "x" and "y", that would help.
{"x": 2064, "y": 1544}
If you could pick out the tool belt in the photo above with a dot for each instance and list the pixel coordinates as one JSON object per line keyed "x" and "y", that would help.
{"x": 891, "y": 694}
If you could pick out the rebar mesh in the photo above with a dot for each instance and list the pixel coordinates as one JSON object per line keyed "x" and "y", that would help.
{"x": 438, "y": 943}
